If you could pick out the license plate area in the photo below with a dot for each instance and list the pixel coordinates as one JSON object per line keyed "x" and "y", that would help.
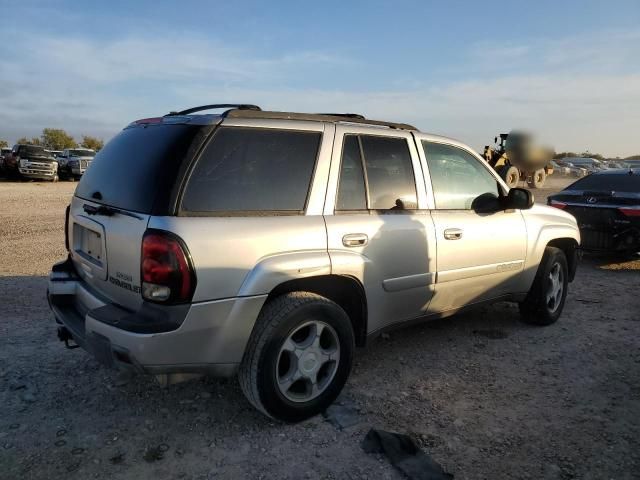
{"x": 88, "y": 246}
{"x": 88, "y": 243}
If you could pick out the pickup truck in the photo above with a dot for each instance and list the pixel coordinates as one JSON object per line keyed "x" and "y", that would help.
{"x": 31, "y": 162}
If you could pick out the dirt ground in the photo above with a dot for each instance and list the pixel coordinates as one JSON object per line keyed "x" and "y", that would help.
{"x": 486, "y": 395}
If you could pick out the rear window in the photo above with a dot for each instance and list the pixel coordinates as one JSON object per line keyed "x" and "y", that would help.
{"x": 609, "y": 182}
{"x": 137, "y": 164}
{"x": 253, "y": 169}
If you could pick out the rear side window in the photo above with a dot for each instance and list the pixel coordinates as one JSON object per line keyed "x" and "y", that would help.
{"x": 387, "y": 176}
{"x": 137, "y": 165}
{"x": 351, "y": 188}
{"x": 610, "y": 182}
{"x": 251, "y": 170}
{"x": 389, "y": 172}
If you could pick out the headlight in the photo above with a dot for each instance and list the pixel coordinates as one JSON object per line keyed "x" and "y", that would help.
{"x": 73, "y": 163}
{"x": 23, "y": 162}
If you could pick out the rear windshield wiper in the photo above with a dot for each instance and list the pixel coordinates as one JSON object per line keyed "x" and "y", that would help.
{"x": 107, "y": 211}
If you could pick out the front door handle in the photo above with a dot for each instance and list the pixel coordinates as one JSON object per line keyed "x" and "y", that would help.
{"x": 453, "y": 234}
{"x": 355, "y": 240}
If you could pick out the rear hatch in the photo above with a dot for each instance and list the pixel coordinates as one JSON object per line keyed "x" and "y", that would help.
{"x": 132, "y": 178}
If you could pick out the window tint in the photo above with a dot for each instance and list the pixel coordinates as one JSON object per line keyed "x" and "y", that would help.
{"x": 137, "y": 165}
{"x": 389, "y": 172}
{"x": 251, "y": 169}
{"x": 457, "y": 177}
{"x": 351, "y": 191}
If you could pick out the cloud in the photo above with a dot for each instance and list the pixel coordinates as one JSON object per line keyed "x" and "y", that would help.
{"x": 579, "y": 92}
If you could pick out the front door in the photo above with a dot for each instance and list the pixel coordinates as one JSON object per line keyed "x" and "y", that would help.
{"x": 378, "y": 224}
{"x": 481, "y": 248}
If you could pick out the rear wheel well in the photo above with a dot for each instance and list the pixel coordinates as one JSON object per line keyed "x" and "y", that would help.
{"x": 346, "y": 291}
{"x": 570, "y": 248}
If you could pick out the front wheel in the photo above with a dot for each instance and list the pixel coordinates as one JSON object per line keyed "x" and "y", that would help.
{"x": 545, "y": 301}
{"x": 298, "y": 357}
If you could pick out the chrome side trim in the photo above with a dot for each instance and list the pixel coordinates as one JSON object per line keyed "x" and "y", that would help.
{"x": 479, "y": 270}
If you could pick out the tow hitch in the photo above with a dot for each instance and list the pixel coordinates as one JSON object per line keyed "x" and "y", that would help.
{"x": 65, "y": 336}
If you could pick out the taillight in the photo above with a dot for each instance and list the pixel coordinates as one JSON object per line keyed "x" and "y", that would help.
{"x": 557, "y": 204}
{"x": 630, "y": 211}
{"x": 166, "y": 271}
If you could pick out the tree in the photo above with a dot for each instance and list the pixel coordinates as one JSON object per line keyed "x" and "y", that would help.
{"x": 26, "y": 141}
{"x": 94, "y": 143}
{"x": 57, "y": 139}
{"x": 4, "y": 144}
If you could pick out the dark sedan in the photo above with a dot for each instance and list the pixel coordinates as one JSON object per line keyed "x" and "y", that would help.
{"x": 606, "y": 205}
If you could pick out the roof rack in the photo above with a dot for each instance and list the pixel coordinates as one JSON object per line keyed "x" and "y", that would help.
{"x": 315, "y": 117}
{"x": 230, "y": 106}
{"x": 347, "y": 115}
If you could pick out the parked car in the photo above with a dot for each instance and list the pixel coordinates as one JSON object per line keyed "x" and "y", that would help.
{"x": 3, "y": 153}
{"x": 591, "y": 165}
{"x": 615, "y": 164}
{"x": 632, "y": 163}
{"x": 73, "y": 162}
{"x": 269, "y": 244}
{"x": 572, "y": 169}
{"x": 606, "y": 205}
{"x": 31, "y": 162}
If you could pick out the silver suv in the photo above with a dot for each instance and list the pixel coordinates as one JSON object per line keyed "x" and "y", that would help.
{"x": 270, "y": 244}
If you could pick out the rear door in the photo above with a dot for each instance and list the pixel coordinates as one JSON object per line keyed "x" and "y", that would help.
{"x": 481, "y": 250}
{"x": 130, "y": 179}
{"x": 378, "y": 222}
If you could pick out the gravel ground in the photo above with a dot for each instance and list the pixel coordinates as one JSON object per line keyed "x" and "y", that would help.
{"x": 485, "y": 395}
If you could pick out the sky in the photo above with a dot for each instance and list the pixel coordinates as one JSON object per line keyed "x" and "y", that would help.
{"x": 569, "y": 71}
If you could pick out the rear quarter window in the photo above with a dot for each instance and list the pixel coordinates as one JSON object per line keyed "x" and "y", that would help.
{"x": 253, "y": 170}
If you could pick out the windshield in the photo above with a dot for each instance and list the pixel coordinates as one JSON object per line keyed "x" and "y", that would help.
{"x": 82, "y": 153}
{"x": 614, "y": 183}
{"x": 32, "y": 150}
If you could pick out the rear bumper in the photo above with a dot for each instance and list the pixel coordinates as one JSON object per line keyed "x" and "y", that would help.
{"x": 210, "y": 338}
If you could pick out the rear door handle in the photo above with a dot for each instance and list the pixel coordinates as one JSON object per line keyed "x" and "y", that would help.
{"x": 355, "y": 240}
{"x": 453, "y": 234}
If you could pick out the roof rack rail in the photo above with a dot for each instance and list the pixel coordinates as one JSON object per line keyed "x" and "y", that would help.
{"x": 229, "y": 106}
{"x": 346, "y": 115}
{"x": 315, "y": 117}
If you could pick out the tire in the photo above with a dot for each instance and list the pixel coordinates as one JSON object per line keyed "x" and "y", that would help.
{"x": 269, "y": 361}
{"x": 510, "y": 175}
{"x": 538, "y": 178}
{"x": 545, "y": 302}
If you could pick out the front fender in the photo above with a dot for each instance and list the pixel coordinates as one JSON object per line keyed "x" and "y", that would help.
{"x": 544, "y": 225}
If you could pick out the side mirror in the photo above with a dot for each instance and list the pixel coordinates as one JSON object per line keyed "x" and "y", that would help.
{"x": 519, "y": 199}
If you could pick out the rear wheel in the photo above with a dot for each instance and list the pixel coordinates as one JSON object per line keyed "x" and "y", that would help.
{"x": 510, "y": 175}
{"x": 538, "y": 178}
{"x": 545, "y": 301}
{"x": 298, "y": 357}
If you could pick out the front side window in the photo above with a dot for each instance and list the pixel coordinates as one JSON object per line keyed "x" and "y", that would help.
{"x": 390, "y": 182}
{"x": 457, "y": 177}
{"x": 253, "y": 169}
